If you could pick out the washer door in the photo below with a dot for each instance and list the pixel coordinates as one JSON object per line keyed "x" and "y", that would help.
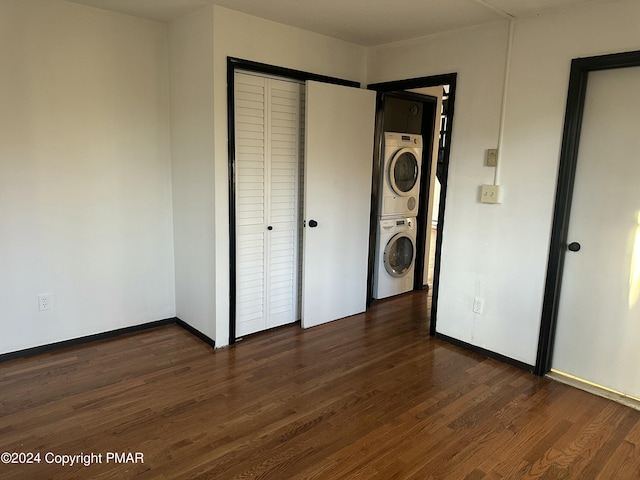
{"x": 403, "y": 171}
{"x": 399, "y": 255}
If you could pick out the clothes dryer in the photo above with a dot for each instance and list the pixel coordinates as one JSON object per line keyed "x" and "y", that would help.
{"x": 400, "y": 179}
{"x": 395, "y": 257}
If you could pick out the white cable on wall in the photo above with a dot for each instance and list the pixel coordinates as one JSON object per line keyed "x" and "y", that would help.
{"x": 505, "y": 88}
{"x": 503, "y": 110}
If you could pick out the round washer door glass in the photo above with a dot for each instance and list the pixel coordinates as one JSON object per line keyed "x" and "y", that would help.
{"x": 403, "y": 172}
{"x": 398, "y": 255}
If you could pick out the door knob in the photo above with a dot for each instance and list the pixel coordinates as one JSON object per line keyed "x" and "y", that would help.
{"x": 313, "y": 223}
{"x": 269, "y": 227}
{"x": 574, "y": 246}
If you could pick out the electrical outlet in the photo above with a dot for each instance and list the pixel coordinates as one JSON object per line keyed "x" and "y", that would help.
{"x": 478, "y": 305}
{"x": 44, "y": 301}
{"x": 490, "y": 194}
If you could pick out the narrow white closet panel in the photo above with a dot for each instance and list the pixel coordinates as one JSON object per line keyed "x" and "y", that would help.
{"x": 267, "y": 118}
{"x": 250, "y": 171}
{"x": 301, "y": 150}
{"x": 283, "y": 121}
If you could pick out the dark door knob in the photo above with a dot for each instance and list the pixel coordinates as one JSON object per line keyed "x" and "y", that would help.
{"x": 574, "y": 246}
{"x": 269, "y": 227}
{"x": 313, "y": 223}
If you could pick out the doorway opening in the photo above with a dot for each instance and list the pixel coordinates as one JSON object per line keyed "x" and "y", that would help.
{"x": 433, "y": 192}
{"x": 415, "y": 114}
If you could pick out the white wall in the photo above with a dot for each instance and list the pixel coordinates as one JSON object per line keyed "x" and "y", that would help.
{"x": 542, "y": 51}
{"x": 250, "y": 38}
{"x": 192, "y": 155}
{"x": 499, "y": 252}
{"x": 85, "y": 190}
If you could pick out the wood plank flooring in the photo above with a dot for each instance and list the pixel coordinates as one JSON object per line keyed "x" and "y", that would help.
{"x": 368, "y": 397}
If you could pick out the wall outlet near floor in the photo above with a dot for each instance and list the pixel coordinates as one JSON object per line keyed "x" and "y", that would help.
{"x": 478, "y": 305}
{"x": 44, "y": 301}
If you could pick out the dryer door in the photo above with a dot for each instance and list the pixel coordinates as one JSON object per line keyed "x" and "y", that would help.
{"x": 399, "y": 255}
{"x": 403, "y": 171}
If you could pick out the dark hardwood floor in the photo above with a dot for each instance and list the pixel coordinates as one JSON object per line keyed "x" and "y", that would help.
{"x": 368, "y": 397}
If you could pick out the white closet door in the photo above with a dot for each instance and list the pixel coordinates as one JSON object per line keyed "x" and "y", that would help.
{"x": 338, "y": 163}
{"x": 266, "y": 169}
{"x": 284, "y": 111}
{"x": 250, "y": 171}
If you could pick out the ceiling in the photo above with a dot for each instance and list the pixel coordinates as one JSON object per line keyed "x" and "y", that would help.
{"x": 364, "y": 22}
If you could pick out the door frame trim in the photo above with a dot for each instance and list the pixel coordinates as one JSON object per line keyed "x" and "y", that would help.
{"x": 234, "y": 64}
{"x": 578, "y": 79}
{"x": 421, "y": 82}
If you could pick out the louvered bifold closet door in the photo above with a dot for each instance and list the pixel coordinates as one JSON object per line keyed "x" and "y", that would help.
{"x": 266, "y": 169}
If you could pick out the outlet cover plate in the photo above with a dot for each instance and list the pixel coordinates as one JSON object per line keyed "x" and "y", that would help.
{"x": 490, "y": 194}
{"x": 44, "y": 301}
{"x": 478, "y": 305}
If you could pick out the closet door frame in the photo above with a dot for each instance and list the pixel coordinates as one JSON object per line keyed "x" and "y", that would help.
{"x": 234, "y": 64}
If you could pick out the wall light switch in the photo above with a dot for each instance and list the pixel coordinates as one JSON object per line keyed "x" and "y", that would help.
{"x": 490, "y": 194}
{"x": 491, "y": 157}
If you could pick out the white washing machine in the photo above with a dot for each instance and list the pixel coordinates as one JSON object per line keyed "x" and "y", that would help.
{"x": 395, "y": 256}
{"x": 400, "y": 175}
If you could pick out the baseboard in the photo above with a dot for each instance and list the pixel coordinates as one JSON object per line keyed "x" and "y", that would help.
{"x": 486, "y": 353}
{"x": 594, "y": 389}
{"x": 29, "y": 352}
{"x": 196, "y": 332}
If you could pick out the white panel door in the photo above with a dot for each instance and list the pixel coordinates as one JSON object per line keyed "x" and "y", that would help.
{"x": 267, "y": 119}
{"x": 338, "y": 163}
{"x": 598, "y": 327}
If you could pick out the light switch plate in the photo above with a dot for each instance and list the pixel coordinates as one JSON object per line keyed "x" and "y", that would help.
{"x": 491, "y": 157}
{"x": 490, "y": 194}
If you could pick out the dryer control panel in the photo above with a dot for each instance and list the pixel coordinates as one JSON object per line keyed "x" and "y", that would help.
{"x": 393, "y": 224}
{"x": 402, "y": 139}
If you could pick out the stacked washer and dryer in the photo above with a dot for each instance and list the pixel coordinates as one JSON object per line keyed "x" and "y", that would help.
{"x": 398, "y": 208}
